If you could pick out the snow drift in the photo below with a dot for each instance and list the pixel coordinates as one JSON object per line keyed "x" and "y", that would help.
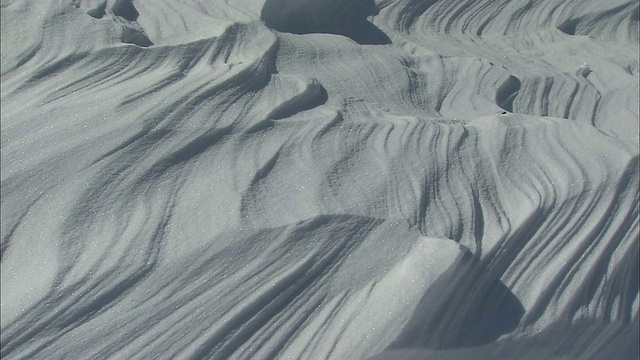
{"x": 319, "y": 179}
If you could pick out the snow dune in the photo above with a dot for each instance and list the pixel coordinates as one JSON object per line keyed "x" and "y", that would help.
{"x": 319, "y": 179}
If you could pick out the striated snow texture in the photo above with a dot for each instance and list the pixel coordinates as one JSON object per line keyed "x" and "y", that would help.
{"x": 319, "y": 179}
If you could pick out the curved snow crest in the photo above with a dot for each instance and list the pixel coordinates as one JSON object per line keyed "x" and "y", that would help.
{"x": 262, "y": 179}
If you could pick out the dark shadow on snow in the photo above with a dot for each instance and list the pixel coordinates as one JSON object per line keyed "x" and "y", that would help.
{"x": 465, "y": 307}
{"x": 507, "y": 92}
{"x": 562, "y": 340}
{"x": 342, "y": 17}
{"x": 125, "y": 9}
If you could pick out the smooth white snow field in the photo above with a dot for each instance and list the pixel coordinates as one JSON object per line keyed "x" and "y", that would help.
{"x": 319, "y": 179}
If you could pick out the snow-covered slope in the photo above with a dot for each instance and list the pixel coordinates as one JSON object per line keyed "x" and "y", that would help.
{"x": 318, "y": 179}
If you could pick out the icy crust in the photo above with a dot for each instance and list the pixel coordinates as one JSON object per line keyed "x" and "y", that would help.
{"x": 319, "y": 179}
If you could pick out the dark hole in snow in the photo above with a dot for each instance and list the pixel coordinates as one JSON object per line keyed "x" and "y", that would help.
{"x": 569, "y": 27}
{"x": 125, "y": 9}
{"x": 507, "y": 92}
{"x": 135, "y": 37}
{"x": 99, "y": 11}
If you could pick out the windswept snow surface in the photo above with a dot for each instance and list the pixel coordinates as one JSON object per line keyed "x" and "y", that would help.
{"x": 319, "y": 179}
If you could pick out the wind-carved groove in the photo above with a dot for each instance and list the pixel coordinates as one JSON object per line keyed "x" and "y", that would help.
{"x": 74, "y": 306}
{"x": 312, "y": 96}
{"x": 256, "y": 314}
{"x": 266, "y": 168}
{"x": 192, "y": 149}
{"x": 606, "y": 22}
{"x": 411, "y": 12}
{"x": 253, "y": 189}
{"x": 12, "y": 226}
{"x": 302, "y": 282}
{"x": 177, "y": 131}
